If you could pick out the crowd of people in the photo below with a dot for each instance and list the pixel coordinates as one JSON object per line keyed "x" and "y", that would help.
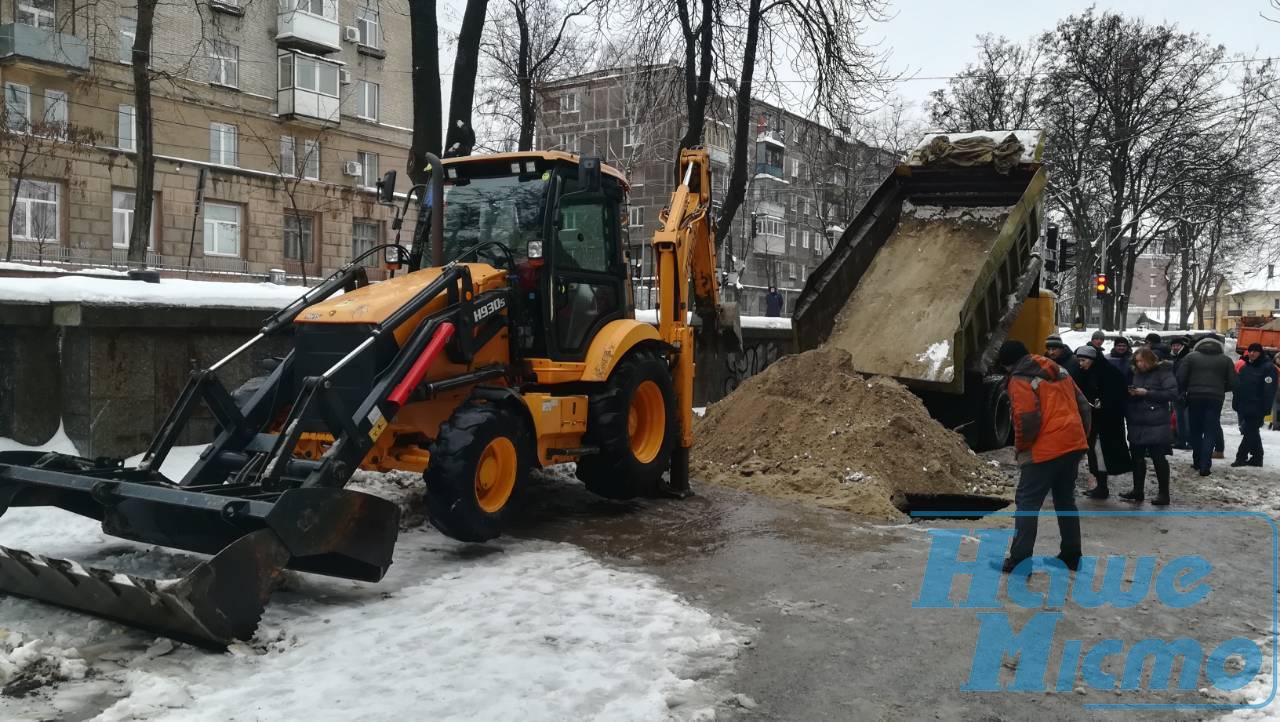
{"x": 1119, "y": 409}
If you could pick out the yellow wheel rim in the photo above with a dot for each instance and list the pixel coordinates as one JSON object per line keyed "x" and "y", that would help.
{"x": 647, "y": 422}
{"x": 496, "y": 474}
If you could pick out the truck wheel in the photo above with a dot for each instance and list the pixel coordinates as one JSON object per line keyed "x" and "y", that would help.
{"x": 995, "y": 425}
{"x": 479, "y": 464}
{"x": 633, "y": 423}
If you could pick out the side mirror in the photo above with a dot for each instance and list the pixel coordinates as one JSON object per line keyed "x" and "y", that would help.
{"x": 387, "y": 188}
{"x": 589, "y": 174}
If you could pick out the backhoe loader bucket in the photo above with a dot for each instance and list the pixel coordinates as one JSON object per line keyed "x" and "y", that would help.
{"x": 253, "y": 536}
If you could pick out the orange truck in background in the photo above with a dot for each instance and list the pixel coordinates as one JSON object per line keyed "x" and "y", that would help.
{"x": 1268, "y": 336}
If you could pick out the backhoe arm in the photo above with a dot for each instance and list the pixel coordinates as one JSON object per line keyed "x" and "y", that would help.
{"x": 684, "y": 251}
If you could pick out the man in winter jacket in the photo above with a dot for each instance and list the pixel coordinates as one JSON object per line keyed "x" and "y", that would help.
{"x": 1204, "y": 377}
{"x": 773, "y": 302}
{"x": 1056, "y": 350}
{"x": 1098, "y": 339}
{"x": 1107, "y": 394}
{"x": 1158, "y": 346}
{"x": 1121, "y": 356}
{"x": 1050, "y": 434}
{"x": 1252, "y": 399}
{"x": 1178, "y": 350}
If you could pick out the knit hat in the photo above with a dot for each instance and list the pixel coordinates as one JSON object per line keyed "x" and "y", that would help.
{"x": 1182, "y": 340}
{"x": 1011, "y": 352}
{"x": 1098, "y": 335}
{"x": 1088, "y": 352}
{"x": 1123, "y": 340}
{"x": 1153, "y": 339}
{"x": 1255, "y": 346}
{"x": 1054, "y": 341}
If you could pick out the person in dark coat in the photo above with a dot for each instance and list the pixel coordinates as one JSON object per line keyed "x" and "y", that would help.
{"x": 1252, "y": 399}
{"x": 1098, "y": 338}
{"x": 1178, "y": 350}
{"x": 1151, "y": 396}
{"x": 1105, "y": 389}
{"x": 1204, "y": 377}
{"x": 1059, "y": 353}
{"x": 1158, "y": 346}
{"x": 1121, "y": 357}
{"x": 1275, "y": 408}
{"x": 773, "y": 302}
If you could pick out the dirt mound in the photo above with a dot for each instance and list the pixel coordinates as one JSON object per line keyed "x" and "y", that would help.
{"x": 810, "y": 428}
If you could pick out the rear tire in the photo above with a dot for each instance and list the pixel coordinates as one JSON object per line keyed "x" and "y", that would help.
{"x": 995, "y": 422}
{"x": 478, "y": 468}
{"x": 633, "y": 423}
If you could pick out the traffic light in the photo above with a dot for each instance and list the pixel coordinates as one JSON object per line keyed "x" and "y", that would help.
{"x": 1100, "y": 284}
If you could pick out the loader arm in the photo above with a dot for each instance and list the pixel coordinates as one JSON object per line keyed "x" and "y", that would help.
{"x": 684, "y": 251}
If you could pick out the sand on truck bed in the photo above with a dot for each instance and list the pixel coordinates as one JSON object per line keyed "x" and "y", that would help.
{"x": 810, "y": 428}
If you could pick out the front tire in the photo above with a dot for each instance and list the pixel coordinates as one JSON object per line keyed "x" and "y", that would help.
{"x": 477, "y": 472}
{"x": 634, "y": 425}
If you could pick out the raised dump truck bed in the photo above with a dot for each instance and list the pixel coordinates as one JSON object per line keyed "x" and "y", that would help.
{"x": 929, "y": 279}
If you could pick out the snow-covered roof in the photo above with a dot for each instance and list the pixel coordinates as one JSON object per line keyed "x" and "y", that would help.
{"x": 771, "y": 177}
{"x": 1264, "y": 281}
{"x": 770, "y": 138}
{"x": 168, "y": 292}
{"x": 1032, "y": 141}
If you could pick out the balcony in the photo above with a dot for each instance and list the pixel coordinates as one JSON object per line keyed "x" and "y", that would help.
{"x": 26, "y": 42}
{"x": 309, "y": 25}
{"x": 307, "y": 88}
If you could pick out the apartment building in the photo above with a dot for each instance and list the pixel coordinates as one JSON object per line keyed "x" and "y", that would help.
{"x": 805, "y": 179}
{"x": 287, "y": 112}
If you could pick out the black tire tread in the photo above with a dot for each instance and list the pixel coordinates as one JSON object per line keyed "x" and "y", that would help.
{"x": 450, "y": 475}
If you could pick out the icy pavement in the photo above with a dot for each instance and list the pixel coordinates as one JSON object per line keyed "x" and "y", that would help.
{"x": 515, "y": 629}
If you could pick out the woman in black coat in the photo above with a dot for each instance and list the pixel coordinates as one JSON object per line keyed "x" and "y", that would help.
{"x": 1104, "y": 386}
{"x": 1150, "y": 405}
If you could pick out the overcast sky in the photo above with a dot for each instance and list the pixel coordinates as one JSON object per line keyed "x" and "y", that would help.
{"x": 936, "y": 37}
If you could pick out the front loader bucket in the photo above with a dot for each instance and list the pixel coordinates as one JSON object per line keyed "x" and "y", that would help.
{"x": 221, "y": 600}
{"x": 253, "y": 536}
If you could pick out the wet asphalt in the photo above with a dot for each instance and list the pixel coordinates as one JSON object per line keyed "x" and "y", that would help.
{"x": 826, "y": 600}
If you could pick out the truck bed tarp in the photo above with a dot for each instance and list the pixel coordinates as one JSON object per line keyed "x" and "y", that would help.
{"x": 972, "y": 151}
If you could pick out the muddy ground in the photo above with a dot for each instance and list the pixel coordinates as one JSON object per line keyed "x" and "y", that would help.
{"x": 830, "y": 596}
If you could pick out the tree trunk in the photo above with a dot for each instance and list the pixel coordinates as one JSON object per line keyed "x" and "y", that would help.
{"x": 426, "y": 87}
{"x": 524, "y": 81}
{"x": 13, "y": 206}
{"x": 697, "y": 70}
{"x": 460, "y": 137}
{"x": 145, "y": 165}
{"x": 737, "y": 190}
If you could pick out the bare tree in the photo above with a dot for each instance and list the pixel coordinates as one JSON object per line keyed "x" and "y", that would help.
{"x": 424, "y": 31}
{"x": 145, "y": 167}
{"x": 997, "y": 92}
{"x": 460, "y": 135}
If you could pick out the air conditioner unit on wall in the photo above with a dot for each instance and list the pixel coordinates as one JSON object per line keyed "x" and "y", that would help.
{"x": 344, "y": 76}
{"x": 351, "y": 34}
{"x": 351, "y": 168}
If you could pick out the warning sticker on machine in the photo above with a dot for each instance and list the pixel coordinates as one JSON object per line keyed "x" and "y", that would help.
{"x": 379, "y": 423}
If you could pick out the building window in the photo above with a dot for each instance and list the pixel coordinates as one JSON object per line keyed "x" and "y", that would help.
{"x": 322, "y": 8}
{"x": 368, "y": 169}
{"x": 311, "y": 159}
{"x": 367, "y": 100}
{"x": 367, "y": 25}
{"x": 630, "y": 136}
{"x": 635, "y": 216}
{"x": 221, "y": 229}
{"x": 37, "y": 13}
{"x": 569, "y": 103}
{"x": 288, "y": 157}
{"x": 55, "y": 113}
{"x": 307, "y": 73}
{"x": 804, "y": 240}
{"x": 791, "y": 270}
{"x": 792, "y": 238}
{"x": 1277, "y": 304}
{"x": 17, "y": 107}
{"x": 128, "y": 31}
{"x": 122, "y": 208}
{"x": 364, "y": 236}
{"x": 297, "y": 237}
{"x": 224, "y": 64}
{"x": 569, "y": 142}
{"x": 35, "y": 214}
{"x": 126, "y": 128}
{"x": 222, "y": 144}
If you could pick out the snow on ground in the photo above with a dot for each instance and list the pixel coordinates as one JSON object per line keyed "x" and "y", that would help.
{"x": 168, "y": 292}
{"x": 514, "y": 629}
{"x": 90, "y": 271}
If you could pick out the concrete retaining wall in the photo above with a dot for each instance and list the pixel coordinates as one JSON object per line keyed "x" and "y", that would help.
{"x": 111, "y": 373}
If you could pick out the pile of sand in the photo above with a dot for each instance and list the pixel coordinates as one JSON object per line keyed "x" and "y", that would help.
{"x": 810, "y": 428}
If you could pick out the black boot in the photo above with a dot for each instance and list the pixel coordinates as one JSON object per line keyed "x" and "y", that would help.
{"x": 1162, "y": 480}
{"x": 1134, "y": 495}
{"x": 1100, "y": 491}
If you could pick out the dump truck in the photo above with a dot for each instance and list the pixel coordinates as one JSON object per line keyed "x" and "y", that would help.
{"x": 935, "y": 272}
{"x": 509, "y": 343}
{"x": 1268, "y": 335}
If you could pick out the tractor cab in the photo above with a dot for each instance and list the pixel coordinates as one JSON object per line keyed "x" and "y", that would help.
{"x": 552, "y": 220}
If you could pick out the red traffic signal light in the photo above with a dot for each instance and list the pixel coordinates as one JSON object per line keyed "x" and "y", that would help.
{"x": 1101, "y": 284}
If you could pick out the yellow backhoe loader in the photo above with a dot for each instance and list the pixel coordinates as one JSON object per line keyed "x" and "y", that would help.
{"x": 509, "y": 343}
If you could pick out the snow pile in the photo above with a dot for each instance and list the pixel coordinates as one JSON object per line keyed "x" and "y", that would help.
{"x": 979, "y": 214}
{"x": 28, "y": 664}
{"x": 935, "y": 356}
{"x": 168, "y": 292}
{"x": 810, "y": 428}
{"x": 29, "y": 268}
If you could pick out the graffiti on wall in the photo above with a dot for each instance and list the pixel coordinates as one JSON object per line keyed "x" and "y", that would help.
{"x": 751, "y": 360}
